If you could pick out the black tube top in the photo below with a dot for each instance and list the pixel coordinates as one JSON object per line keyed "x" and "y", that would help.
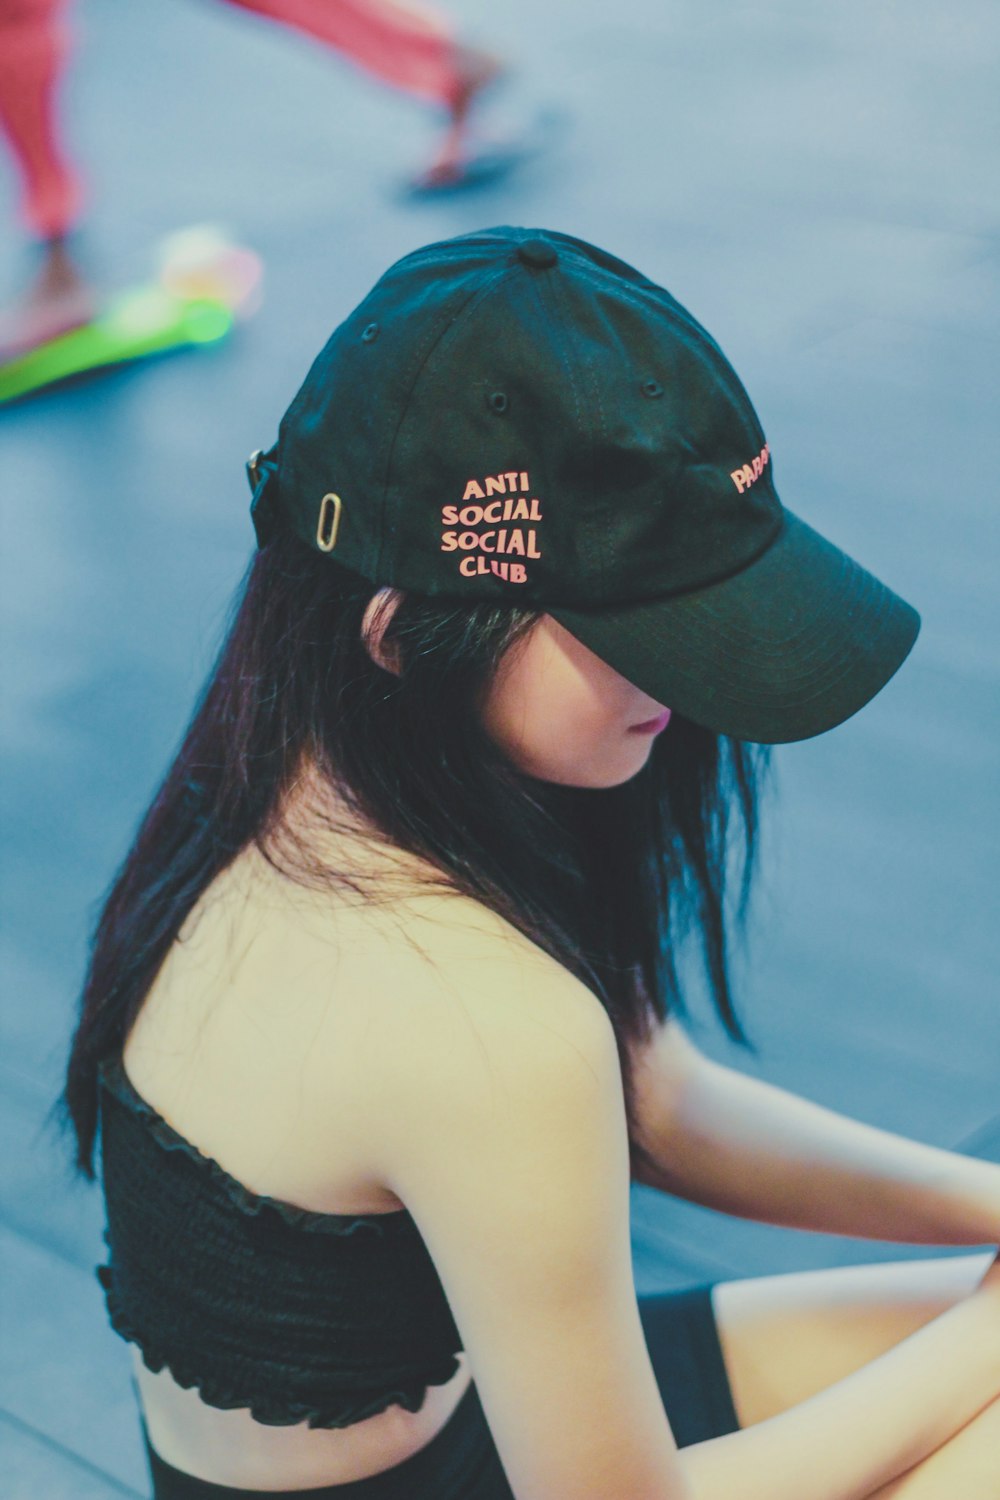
{"x": 300, "y": 1316}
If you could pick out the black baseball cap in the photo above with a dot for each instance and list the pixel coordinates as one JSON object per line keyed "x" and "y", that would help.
{"x": 517, "y": 416}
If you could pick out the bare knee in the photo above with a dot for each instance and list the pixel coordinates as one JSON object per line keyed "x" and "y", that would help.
{"x": 966, "y": 1465}
{"x": 786, "y": 1337}
{"x": 931, "y": 1284}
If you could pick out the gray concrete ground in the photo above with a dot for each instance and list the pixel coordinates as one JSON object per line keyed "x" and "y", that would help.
{"x": 818, "y": 185}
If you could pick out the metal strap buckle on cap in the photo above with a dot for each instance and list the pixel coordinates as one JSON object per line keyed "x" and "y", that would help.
{"x": 328, "y": 525}
{"x": 252, "y": 472}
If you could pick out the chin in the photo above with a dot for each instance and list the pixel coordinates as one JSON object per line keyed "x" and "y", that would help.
{"x": 592, "y": 780}
{"x": 615, "y": 771}
{"x": 621, "y": 780}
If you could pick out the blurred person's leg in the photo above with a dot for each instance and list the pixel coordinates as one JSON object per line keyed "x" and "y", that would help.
{"x": 407, "y": 45}
{"x": 34, "y": 42}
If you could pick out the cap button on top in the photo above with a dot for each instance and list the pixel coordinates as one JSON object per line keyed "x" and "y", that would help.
{"x": 537, "y": 253}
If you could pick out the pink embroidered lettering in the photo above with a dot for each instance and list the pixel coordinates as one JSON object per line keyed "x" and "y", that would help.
{"x": 481, "y": 550}
{"x": 747, "y": 474}
{"x": 474, "y": 567}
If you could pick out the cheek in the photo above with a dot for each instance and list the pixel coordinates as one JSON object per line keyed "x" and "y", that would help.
{"x": 549, "y": 723}
{"x": 559, "y": 712}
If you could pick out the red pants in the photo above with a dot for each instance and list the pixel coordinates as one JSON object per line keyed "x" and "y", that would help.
{"x": 398, "y": 40}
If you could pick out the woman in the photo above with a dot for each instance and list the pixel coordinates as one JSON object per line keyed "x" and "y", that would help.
{"x": 383, "y": 1010}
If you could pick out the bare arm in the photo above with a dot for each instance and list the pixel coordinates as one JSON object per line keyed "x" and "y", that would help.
{"x": 745, "y": 1147}
{"x": 507, "y": 1141}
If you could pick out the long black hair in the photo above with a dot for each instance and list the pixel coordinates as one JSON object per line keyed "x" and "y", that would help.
{"x": 607, "y": 881}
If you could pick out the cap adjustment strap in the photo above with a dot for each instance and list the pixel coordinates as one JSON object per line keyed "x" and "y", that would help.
{"x": 262, "y": 471}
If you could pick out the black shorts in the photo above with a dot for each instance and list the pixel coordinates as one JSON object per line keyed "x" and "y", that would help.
{"x": 461, "y": 1461}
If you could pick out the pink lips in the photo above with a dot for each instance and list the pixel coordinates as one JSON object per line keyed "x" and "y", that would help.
{"x": 653, "y": 726}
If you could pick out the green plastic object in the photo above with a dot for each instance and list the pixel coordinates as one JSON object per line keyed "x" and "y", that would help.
{"x": 205, "y": 282}
{"x": 148, "y": 320}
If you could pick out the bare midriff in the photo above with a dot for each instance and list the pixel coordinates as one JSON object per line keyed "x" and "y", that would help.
{"x": 230, "y": 1447}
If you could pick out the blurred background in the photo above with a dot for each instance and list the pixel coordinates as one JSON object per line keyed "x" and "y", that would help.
{"x": 818, "y": 185}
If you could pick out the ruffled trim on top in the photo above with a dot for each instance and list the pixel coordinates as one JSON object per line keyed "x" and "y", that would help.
{"x": 272, "y": 1411}
{"x": 112, "y": 1075}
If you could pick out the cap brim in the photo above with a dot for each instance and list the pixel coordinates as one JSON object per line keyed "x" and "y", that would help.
{"x": 790, "y": 647}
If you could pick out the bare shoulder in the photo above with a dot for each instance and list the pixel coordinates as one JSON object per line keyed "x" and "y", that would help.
{"x": 501, "y": 1127}
{"x": 474, "y": 982}
{"x": 490, "y": 1104}
{"x": 443, "y": 1005}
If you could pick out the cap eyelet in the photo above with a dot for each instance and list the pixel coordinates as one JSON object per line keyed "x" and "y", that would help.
{"x": 369, "y": 333}
{"x": 328, "y": 525}
{"x": 497, "y": 401}
{"x": 652, "y": 388}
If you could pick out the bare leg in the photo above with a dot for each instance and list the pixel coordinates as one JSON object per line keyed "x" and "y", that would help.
{"x": 786, "y": 1337}
{"x": 968, "y": 1466}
